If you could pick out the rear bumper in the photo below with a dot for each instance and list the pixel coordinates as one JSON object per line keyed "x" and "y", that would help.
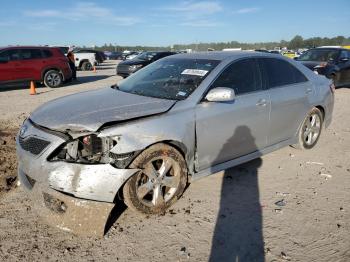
{"x": 329, "y": 110}
{"x": 66, "y": 73}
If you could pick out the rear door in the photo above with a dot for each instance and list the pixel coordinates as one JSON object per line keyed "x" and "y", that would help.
{"x": 30, "y": 64}
{"x": 228, "y": 130}
{"x": 289, "y": 90}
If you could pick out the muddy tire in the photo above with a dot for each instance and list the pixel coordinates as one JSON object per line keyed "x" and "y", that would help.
{"x": 86, "y": 66}
{"x": 310, "y": 130}
{"x": 53, "y": 79}
{"x": 160, "y": 183}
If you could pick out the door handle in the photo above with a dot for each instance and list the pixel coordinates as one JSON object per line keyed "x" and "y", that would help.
{"x": 308, "y": 91}
{"x": 261, "y": 102}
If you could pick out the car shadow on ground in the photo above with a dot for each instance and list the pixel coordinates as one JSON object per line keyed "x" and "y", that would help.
{"x": 105, "y": 67}
{"x": 86, "y": 79}
{"x": 238, "y": 232}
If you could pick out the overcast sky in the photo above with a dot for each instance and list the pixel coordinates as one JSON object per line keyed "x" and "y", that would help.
{"x": 161, "y": 22}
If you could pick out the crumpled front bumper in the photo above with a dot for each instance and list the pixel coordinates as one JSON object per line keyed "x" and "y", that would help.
{"x": 78, "y": 216}
{"x": 86, "y": 192}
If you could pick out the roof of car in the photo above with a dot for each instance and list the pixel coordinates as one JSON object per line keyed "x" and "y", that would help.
{"x": 221, "y": 55}
{"x": 25, "y": 46}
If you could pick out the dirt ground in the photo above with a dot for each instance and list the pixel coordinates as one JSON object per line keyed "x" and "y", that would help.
{"x": 289, "y": 205}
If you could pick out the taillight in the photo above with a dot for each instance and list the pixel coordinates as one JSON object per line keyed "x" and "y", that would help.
{"x": 332, "y": 87}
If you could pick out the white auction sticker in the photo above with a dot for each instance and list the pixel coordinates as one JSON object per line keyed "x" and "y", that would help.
{"x": 181, "y": 93}
{"x": 194, "y": 72}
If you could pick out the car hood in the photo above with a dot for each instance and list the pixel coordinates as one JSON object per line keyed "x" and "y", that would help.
{"x": 88, "y": 111}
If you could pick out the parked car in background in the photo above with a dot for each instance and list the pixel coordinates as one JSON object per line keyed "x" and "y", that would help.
{"x": 129, "y": 67}
{"x": 99, "y": 55}
{"x": 85, "y": 61}
{"x": 135, "y": 55}
{"x": 113, "y": 55}
{"x": 31, "y": 63}
{"x": 290, "y": 54}
{"x": 333, "y": 62}
{"x": 125, "y": 54}
{"x": 179, "y": 119}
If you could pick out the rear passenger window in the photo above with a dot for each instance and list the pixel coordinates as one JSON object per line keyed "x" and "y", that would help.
{"x": 280, "y": 73}
{"x": 30, "y": 54}
{"x": 46, "y": 53}
{"x": 242, "y": 77}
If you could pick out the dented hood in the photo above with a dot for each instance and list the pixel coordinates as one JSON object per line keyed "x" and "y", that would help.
{"x": 88, "y": 111}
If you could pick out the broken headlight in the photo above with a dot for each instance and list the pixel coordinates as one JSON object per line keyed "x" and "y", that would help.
{"x": 87, "y": 149}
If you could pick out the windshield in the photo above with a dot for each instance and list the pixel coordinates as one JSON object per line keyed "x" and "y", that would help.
{"x": 146, "y": 56}
{"x": 173, "y": 79}
{"x": 322, "y": 55}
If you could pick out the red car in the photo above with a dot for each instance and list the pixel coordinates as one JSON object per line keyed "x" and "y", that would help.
{"x": 30, "y": 63}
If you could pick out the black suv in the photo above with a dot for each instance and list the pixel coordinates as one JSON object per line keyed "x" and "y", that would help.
{"x": 128, "y": 67}
{"x": 333, "y": 62}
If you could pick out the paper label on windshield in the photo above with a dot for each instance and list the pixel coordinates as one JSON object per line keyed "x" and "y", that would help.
{"x": 194, "y": 72}
{"x": 181, "y": 93}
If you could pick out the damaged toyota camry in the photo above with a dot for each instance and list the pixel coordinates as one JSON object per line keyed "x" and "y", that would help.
{"x": 179, "y": 119}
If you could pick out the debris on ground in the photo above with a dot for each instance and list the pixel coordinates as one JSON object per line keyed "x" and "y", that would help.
{"x": 314, "y": 163}
{"x": 326, "y": 176}
{"x": 280, "y": 203}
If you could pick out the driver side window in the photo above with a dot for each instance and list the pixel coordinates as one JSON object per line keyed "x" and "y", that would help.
{"x": 242, "y": 76}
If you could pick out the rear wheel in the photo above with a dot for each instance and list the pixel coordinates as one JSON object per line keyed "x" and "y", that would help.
{"x": 86, "y": 66}
{"x": 160, "y": 182}
{"x": 53, "y": 78}
{"x": 310, "y": 130}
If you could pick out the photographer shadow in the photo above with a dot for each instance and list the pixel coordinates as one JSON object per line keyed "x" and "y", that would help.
{"x": 238, "y": 232}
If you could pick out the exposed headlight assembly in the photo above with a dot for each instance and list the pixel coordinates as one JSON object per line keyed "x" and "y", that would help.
{"x": 87, "y": 149}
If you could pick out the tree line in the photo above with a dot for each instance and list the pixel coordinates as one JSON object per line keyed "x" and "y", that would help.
{"x": 295, "y": 43}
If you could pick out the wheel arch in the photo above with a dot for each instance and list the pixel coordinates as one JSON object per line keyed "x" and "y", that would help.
{"x": 83, "y": 61}
{"x": 179, "y": 146}
{"x": 52, "y": 68}
{"x": 321, "y": 108}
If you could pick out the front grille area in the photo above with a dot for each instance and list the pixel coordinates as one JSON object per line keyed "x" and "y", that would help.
{"x": 123, "y": 69}
{"x": 33, "y": 145}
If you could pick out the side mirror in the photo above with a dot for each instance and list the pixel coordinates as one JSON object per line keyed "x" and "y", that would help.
{"x": 221, "y": 94}
{"x": 3, "y": 60}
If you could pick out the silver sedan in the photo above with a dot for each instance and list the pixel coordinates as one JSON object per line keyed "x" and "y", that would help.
{"x": 179, "y": 119}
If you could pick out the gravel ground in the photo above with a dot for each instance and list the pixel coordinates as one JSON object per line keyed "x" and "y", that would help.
{"x": 290, "y": 205}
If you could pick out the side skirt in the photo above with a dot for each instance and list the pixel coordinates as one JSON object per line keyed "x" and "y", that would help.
{"x": 241, "y": 160}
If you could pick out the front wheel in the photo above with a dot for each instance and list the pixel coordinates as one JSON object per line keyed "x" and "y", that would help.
{"x": 310, "y": 130}
{"x": 86, "y": 66}
{"x": 53, "y": 78}
{"x": 160, "y": 182}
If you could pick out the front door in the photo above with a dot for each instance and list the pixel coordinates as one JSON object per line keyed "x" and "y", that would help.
{"x": 7, "y": 65}
{"x": 228, "y": 130}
